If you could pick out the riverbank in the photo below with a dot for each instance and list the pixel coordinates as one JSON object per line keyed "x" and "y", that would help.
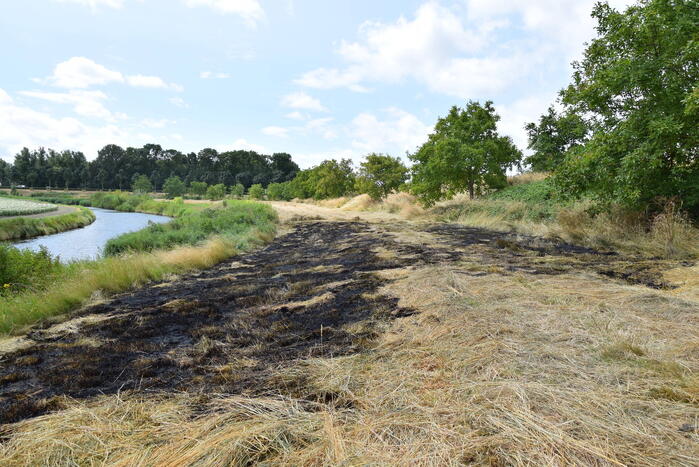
{"x": 199, "y": 237}
{"x": 25, "y": 227}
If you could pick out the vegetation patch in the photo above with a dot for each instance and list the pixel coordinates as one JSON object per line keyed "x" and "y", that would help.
{"x": 18, "y": 207}
{"x": 19, "y": 228}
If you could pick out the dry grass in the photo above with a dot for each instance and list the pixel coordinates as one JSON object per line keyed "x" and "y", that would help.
{"x": 495, "y": 370}
{"x": 670, "y": 234}
{"x": 527, "y": 177}
{"x": 400, "y": 203}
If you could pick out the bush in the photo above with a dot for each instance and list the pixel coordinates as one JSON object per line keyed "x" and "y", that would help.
{"x": 198, "y": 188}
{"x": 142, "y": 185}
{"x": 20, "y": 269}
{"x": 174, "y": 186}
{"x": 216, "y": 192}
{"x": 256, "y": 191}
{"x": 237, "y": 190}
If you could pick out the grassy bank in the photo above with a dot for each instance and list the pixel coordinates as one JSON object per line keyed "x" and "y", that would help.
{"x": 143, "y": 256}
{"x": 18, "y": 228}
{"x": 531, "y": 206}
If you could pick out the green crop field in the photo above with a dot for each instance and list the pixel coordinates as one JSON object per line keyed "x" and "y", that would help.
{"x": 18, "y": 207}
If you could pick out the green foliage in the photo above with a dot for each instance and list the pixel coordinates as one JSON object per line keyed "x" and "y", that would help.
{"x": 198, "y": 188}
{"x": 637, "y": 85}
{"x": 174, "y": 186}
{"x": 195, "y": 227}
{"x": 330, "y": 179}
{"x": 238, "y": 190}
{"x": 553, "y": 137}
{"x": 20, "y": 269}
{"x": 465, "y": 153}
{"x": 18, "y": 228}
{"x": 256, "y": 191}
{"x": 216, "y": 192}
{"x": 380, "y": 174}
{"x": 142, "y": 185}
{"x": 278, "y": 191}
{"x": 117, "y": 168}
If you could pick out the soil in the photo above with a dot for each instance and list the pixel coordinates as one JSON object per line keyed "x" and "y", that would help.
{"x": 313, "y": 292}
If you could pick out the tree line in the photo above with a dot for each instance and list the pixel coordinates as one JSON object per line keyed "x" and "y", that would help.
{"x": 116, "y": 168}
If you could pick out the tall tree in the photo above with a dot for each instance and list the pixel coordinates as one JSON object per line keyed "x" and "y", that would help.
{"x": 379, "y": 174}
{"x": 465, "y": 153}
{"x": 638, "y": 83}
{"x": 552, "y": 137}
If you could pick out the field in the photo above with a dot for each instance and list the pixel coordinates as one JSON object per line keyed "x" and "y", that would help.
{"x": 361, "y": 338}
{"x": 18, "y": 207}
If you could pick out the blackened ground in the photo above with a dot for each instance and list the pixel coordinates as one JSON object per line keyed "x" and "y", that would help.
{"x": 313, "y": 292}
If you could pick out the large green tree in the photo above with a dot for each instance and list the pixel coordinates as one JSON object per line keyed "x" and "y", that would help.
{"x": 552, "y": 137}
{"x": 464, "y": 153}
{"x": 379, "y": 174}
{"x": 638, "y": 85}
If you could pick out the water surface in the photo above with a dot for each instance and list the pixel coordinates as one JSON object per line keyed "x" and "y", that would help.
{"x": 88, "y": 242}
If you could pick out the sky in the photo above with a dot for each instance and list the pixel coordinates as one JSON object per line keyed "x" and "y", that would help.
{"x": 318, "y": 79}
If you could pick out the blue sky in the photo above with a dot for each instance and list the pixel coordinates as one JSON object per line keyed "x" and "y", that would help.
{"x": 317, "y": 79}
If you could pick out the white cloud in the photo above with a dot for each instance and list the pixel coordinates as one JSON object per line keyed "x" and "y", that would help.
{"x": 152, "y": 82}
{"x": 277, "y": 131}
{"x": 301, "y": 100}
{"x": 567, "y": 23}
{"x": 467, "y": 52}
{"x": 296, "y": 115}
{"x": 241, "y": 144}
{"x": 85, "y": 103}
{"x": 212, "y": 75}
{"x": 435, "y": 48}
{"x": 307, "y": 160}
{"x": 249, "y": 10}
{"x": 329, "y": 78}
{"x": 96, "y": 3}
{"x": 81, "y": 72}
{"x": 4, "y": 97}
{"x": 178, "y": 102}
{"x": 153, "y": 123}
{"x": 516, "y": 114}
{"x": 399, "y": 130}
{"x": 312, "y": 127}
{"x": 24, "y": 126}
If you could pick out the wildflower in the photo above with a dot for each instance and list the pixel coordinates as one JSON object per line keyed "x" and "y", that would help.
{"x": 7, "y": 286}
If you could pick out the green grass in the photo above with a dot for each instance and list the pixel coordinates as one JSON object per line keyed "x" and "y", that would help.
{"x": 212, "y": 235}
{"x": 194, "y": 227}
{"x": 529, "y": 202}
{"x": 19, "y": 228}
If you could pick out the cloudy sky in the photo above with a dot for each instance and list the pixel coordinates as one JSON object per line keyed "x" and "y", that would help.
{"x": 314, "y": 78}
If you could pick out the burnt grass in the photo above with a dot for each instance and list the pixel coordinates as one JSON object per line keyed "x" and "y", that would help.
{"x": 314, "y": 292}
